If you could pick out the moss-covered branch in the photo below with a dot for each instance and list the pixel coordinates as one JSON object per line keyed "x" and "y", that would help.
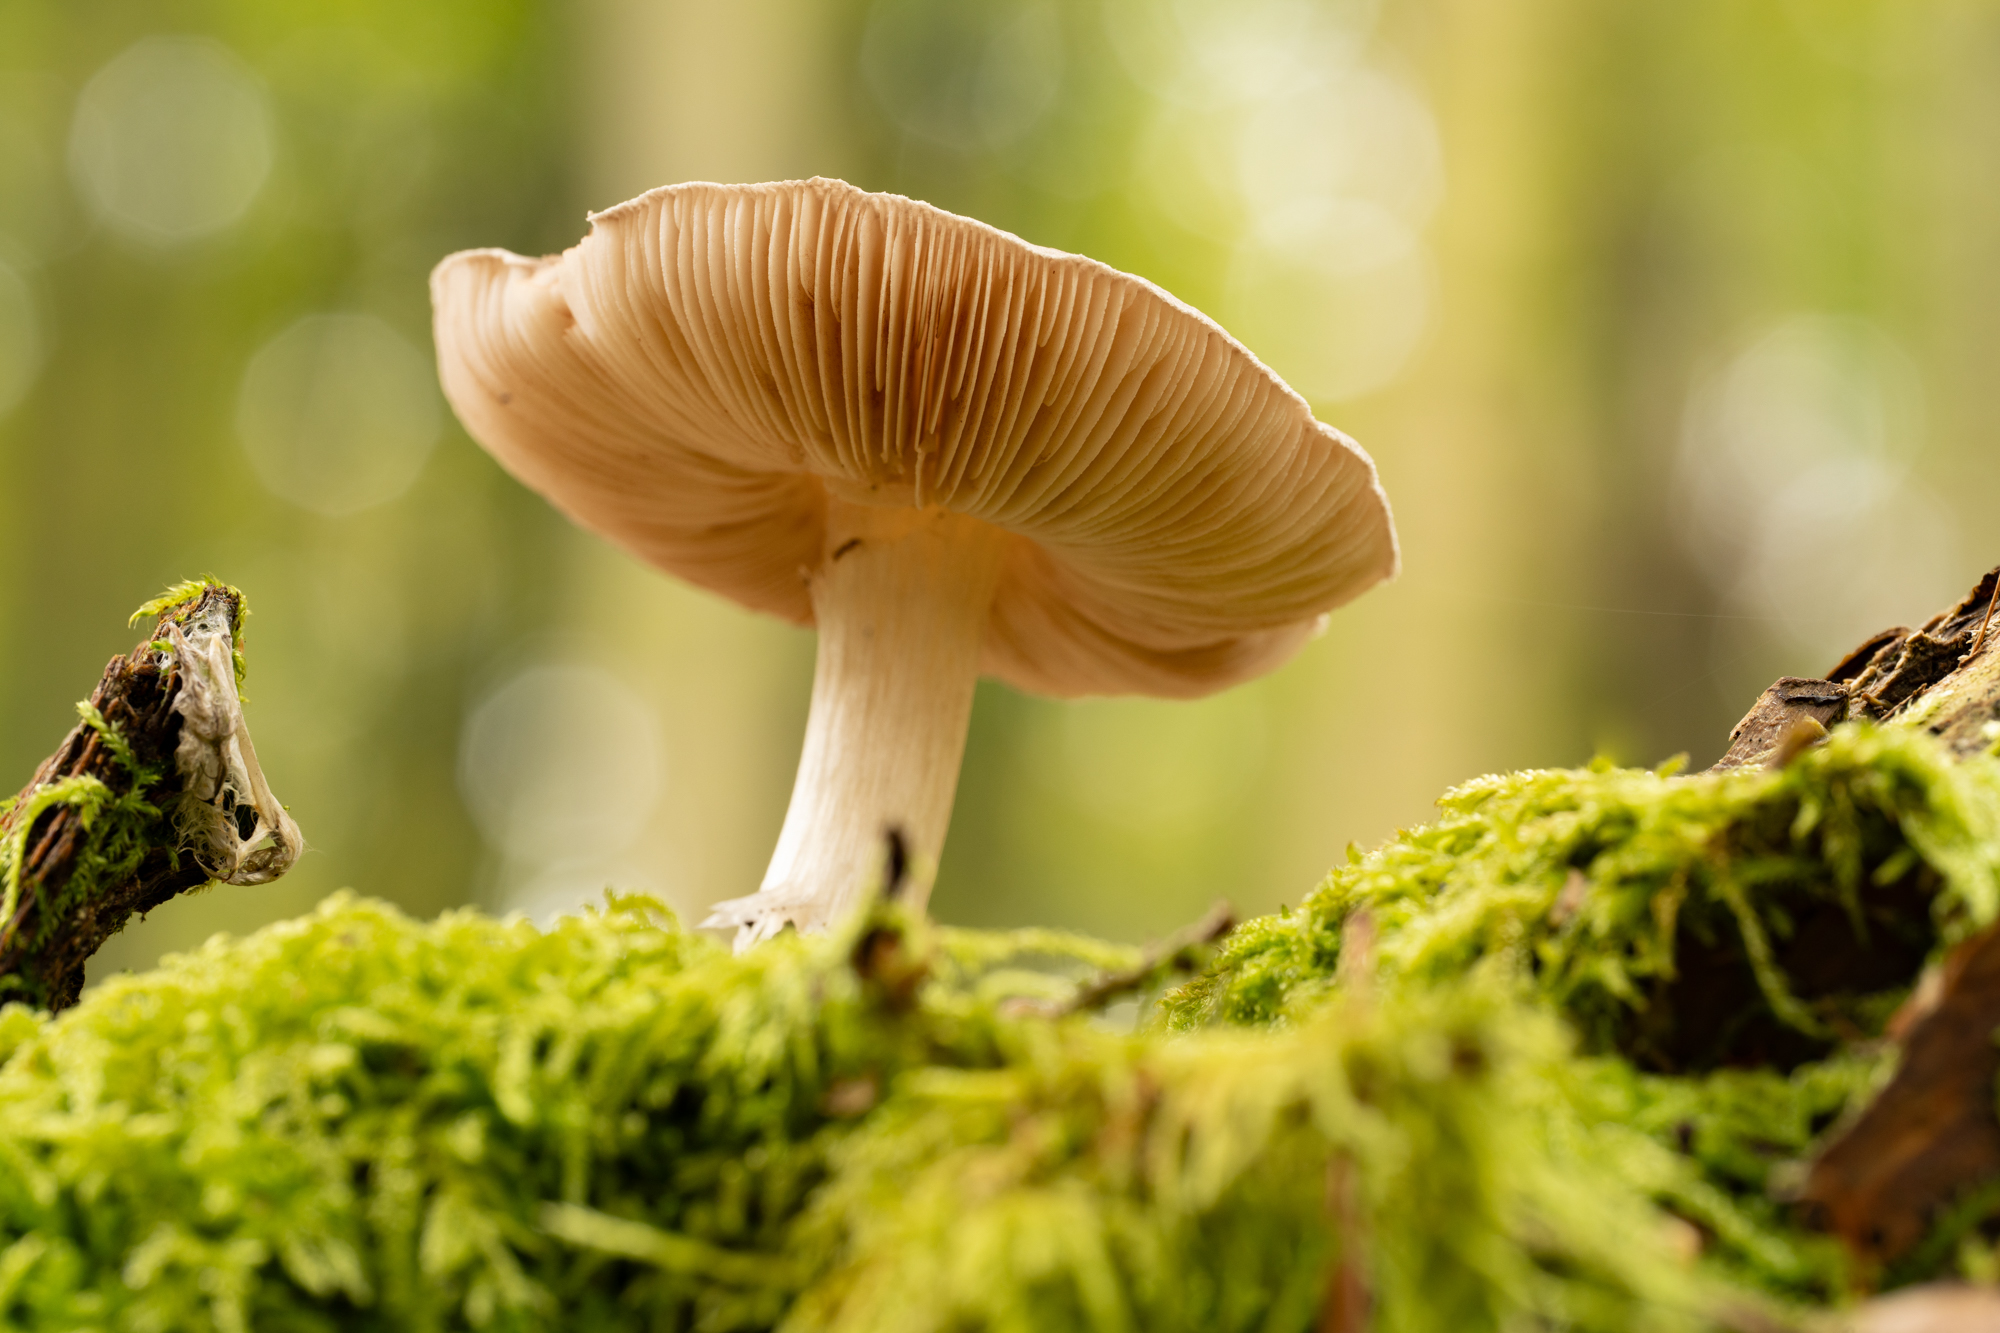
{"x": 149, "y": 796}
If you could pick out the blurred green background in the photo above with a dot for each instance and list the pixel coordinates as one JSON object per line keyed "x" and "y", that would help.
{"x": 1670, "y": 327}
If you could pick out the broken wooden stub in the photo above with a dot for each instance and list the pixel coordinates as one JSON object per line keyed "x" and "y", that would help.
{"x": 155, "y": 793}
{"x": 1347, "y": 1305}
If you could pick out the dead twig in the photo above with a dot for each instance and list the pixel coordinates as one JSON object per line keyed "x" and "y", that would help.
{"x": 1176, "y": 953}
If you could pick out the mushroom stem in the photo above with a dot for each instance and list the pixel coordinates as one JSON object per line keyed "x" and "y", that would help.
{"x": 901, "y": 600}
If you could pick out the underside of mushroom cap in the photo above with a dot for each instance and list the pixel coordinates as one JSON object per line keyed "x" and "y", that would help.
{"x": 710, "y": 363}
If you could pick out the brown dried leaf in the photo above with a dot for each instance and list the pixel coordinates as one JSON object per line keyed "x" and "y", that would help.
{"x": 1932, "y": 1132}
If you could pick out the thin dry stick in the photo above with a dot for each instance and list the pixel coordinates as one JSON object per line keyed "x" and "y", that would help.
{"x": 1162, "y": 954}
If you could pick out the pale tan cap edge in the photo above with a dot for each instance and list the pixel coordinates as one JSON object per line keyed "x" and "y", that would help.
{"x": 744, "y": 534}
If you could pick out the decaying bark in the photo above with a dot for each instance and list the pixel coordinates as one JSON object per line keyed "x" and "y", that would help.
{"x": 45, "y": 955}
{"x": 156, "y": 792}
{"x": 1944, "y": 677}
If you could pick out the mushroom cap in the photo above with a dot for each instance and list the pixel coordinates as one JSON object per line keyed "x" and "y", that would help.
{"x": 702, "y": 371}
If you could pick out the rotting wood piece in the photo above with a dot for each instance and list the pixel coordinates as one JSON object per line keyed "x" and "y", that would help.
{"x": 1901, "y": 669}
{"x": 1961, "y": 707}
{"x": 42, "y": 959}
{"x": 1931, "y": 1132}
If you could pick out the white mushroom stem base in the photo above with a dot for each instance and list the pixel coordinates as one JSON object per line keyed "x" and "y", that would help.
{"x": 901, "y": 600}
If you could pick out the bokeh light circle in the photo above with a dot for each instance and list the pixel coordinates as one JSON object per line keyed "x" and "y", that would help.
{"x": 1796, "y": 476}
{"x": 1364, "y": 135}
{"x": 1337, "y": 310}
{"x": 1154, "y": 768}
{"x": 171, "y": 140}
{"x": 969, "y": 77}
{"x": 338, "y": 413}
{"x": 1215, "y": 52}
{"x": 560, "y": 763}
{"x": 1811, "y": 391}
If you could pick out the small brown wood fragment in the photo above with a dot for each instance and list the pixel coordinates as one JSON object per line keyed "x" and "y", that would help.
{"x": 1764, "y": 730}
{"x": 1880, "y": 646}
{"x": 1992, "y": 605}
{"x": 1931, "y": 1132}
{"x": 1570, "y": 898}
{"x": 1800, "y": 735}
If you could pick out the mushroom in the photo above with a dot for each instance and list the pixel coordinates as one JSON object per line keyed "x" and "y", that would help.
{"x": 951, "y": 451}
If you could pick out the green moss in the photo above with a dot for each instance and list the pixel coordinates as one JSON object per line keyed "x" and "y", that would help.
{"x": 1686, "y": 922}
{"x": 183, "y": 597}
{"x": 1437, "y": 1142}
{"x": 120, "y": 827}
{"x": 1735, "y": 1136}
{"x": 361, "y": 1121}
{"x": 355, "y": 1113}
{"x": 1726, "y": 946}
